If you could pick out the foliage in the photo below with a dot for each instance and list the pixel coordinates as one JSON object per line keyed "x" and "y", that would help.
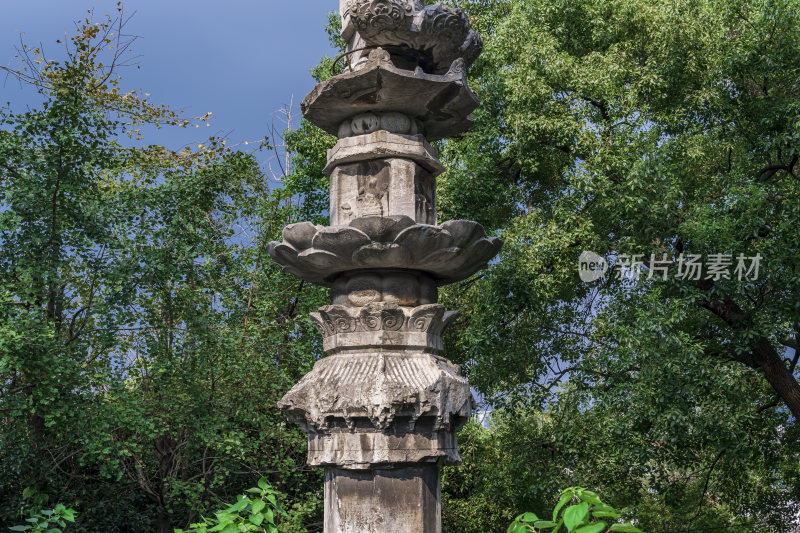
{"x": 469, "y": 503}
{"x": 520, "y": 461}
{"x": 588, "y": 515}
{"x": 47, "y": 520}
{"x": 650, "y": 128}
{"x": 257, "y": 513}
{"x": 145, "y": 336}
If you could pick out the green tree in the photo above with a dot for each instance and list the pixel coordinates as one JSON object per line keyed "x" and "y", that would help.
{"x": 652, "y": 130}
{"x": 145, "y": 334}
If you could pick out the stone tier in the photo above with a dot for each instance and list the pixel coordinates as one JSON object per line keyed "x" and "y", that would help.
{"x": 382, "y": 174}
{"x": 382, "y": 144}
{"x": 401, "y": 287}
{"x": 382, "y": 324}
{"x": 439, "y": 104}
{"x": 382, "y": 396}
{"x": 382, "y": 364}
{"x": 365, "y": 446}
{"x": 447, "y": 253}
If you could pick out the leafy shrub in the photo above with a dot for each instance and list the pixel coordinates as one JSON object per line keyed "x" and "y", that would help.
{"x": 47, "y": 521}
{"x": 587, "y": 515}
{"x": 256, "y": 514}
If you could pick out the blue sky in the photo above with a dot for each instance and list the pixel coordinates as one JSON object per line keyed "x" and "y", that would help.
{"x": 241, "y": 60}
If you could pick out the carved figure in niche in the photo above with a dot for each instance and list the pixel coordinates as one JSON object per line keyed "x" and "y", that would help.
{"x": 424, "y": 203}
{"x": 346, "y": 212}
{"x": 373, "y": 189}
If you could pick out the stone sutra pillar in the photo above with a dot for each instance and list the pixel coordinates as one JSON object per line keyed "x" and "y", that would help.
{"x": 382, "y": 409}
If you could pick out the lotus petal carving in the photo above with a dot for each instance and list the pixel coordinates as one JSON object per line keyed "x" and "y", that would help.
{"x": 448, "y": 253}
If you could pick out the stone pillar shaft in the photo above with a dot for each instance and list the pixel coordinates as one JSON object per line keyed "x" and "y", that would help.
{"x": 395, "y": 500}
{"x": 383, "y": 408}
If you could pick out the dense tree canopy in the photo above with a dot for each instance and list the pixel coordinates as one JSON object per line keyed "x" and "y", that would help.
{"x": 648, "y": 133}
{"x": 145, "y": 336}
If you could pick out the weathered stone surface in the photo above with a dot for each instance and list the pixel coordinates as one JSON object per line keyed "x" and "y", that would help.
{"x": 430, "y": 37}
{"x": 382, "y": 144}
{"x": 401, "y": 287}
{"x": 391, "y": 121}
{"x": 366, "y": 447}
{"x": 448, "y": 253}
{"x": 382, "y": 188}
{"x": 383, "y": 500}
{"x": 382, "y": 409}
{"x": 379, "y": 385}
{"x": 441, "y": 103}
{"x": 382, "y": 324}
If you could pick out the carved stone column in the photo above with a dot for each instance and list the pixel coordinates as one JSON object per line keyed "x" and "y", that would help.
{"x": 383, "y": 408}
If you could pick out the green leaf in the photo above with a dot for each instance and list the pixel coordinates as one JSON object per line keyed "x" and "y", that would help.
{"x": 258, "y": 505}
{"x": 592, "y": 528}
{"x": 256, "y": 519}
{"x": 539, "y": 524}
{"x": 574, "y": 515}
{"x": 604, "y": 507}
{"x": 625, "y": 528}
{"x": 561, "y": 503}
{"x": 605, "y": 514}
{"x": 263, "y": 484}
{"x": 528, "y": 517}
{"x": 20, "y": 528}
{"x": 238, "y": 506}
{"x": 590, "y": 497}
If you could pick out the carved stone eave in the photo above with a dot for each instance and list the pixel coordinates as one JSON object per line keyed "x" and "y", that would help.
{"x": 441, "y": 103}
{"x": 378, "y": 387}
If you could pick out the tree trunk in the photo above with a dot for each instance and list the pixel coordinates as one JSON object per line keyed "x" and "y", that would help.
{"x": 778, "y": 375}
{"x": 763, "y": 356}
{"x": 164, "y": 522}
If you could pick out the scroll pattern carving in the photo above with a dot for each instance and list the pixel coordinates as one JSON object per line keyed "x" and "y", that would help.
{"x": 338, "y": 319}
{"x": 375, "y": 16}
